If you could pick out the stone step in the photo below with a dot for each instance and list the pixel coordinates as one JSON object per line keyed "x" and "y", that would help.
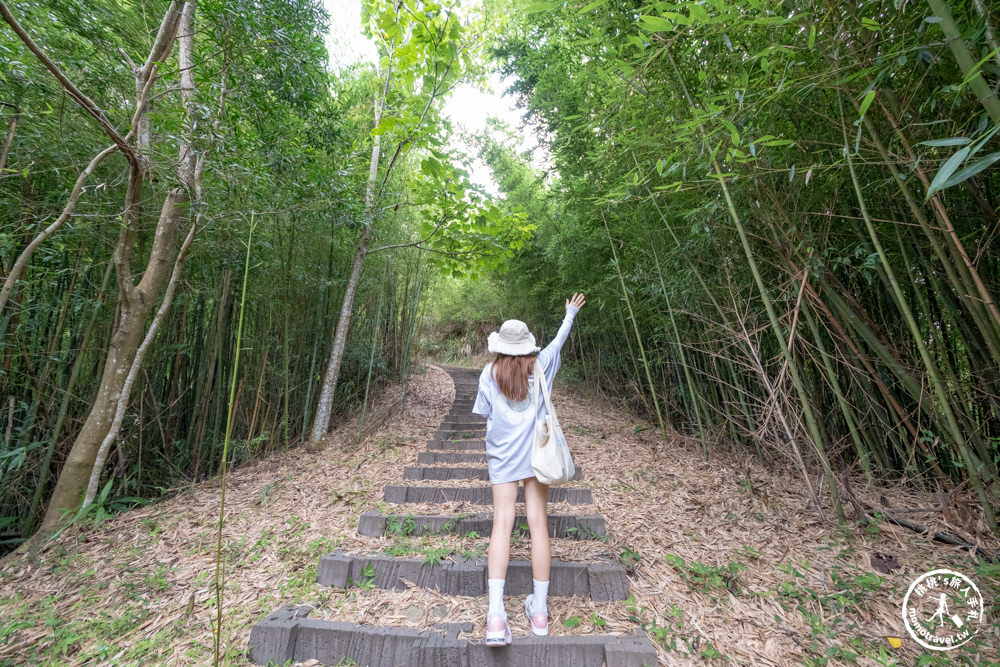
{"x": 576, "y": 526}
{"x": 477, "y": 495}
{"x": 462, "y": 423}
{"x": 287, "y": 635}
{"x": 432, "y": 458}
{"x": 472, "y": 445}
{"x": 417, "y": 473}
{"x": 602, "y": 581}
{"x": 462, "y": 414}
{"x": 459, "y": 433}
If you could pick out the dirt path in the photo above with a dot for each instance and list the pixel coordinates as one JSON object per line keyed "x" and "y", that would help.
{"x": 726, "y": 564}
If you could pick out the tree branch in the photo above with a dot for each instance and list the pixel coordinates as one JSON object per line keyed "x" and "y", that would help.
{"x": 88, "y": 104}
{"x": 74, "y": 197}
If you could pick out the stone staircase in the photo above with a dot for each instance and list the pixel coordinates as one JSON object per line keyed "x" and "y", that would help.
{"x": 289, "y": 635}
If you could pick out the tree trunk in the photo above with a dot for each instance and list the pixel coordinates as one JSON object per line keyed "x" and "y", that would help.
{"x": 321, "y": 423}
{"x": 75, "y": 473}
{"x": 135, "y": 309}
{"x": 324, "y": 408}
{"x": 135, "y": 301}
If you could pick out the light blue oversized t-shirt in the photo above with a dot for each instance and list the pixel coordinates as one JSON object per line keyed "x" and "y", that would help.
{"x": 510, "y": 425}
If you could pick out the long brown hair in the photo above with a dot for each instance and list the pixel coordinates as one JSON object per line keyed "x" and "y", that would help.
{"x": 511, "y": 373}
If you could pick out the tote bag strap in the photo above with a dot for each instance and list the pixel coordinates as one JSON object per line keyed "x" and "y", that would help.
{"x": 534, "y": 391}
{"x": 540, "y": 380}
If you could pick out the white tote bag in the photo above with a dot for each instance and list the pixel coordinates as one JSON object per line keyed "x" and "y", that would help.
{"x": 550, "y": 456}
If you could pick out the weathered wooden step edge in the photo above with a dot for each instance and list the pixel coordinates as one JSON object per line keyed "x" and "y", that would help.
{"x": 467, "y": 444}
{"x": 463, "y": 424}
{"x": 579, "y": 526}
{"x": 459, "y": 433}
{"x": 431, "y": 458}
{"x": 602, "y": 581}
{"x": 287, "y": 635}
{"x": 419, "y": 473}
{"x": 461, "y": 413}
{"x": 477, "y": 495}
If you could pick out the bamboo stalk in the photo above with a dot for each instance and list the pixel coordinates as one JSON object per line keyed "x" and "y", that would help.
{"x": 965, "y": 60}
{"x": 219, "y": 572}
{"x": 635, "y": 327}
{"x": 371, "y": 364}
{"x": 944, "y": 402}
{"x": 807, "y": 411}
{"x": 683, "y": 357}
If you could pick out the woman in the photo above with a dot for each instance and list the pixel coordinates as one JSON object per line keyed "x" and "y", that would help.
{"x": 505, "y": 399}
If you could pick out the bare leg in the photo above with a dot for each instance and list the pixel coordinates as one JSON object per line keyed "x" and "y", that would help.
{"x": 498, "y": 554}
{"x": 536, "y": 498}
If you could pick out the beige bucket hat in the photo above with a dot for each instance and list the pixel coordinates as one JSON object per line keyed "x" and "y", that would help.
{"x": 513, "y": 338}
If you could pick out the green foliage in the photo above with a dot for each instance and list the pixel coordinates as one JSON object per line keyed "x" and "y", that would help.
{"x": 292, "y": 147}
{"x": 646, "y": 112}
{"x": 706, "y": 578}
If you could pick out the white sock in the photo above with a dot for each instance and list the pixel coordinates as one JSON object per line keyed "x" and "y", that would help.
{"x": 541, "y": 595}
{"x": 496, "y": 595}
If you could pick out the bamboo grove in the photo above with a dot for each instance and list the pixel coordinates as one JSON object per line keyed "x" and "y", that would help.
{"x": 143, "y": 139}
{"x": 786, "y": 214}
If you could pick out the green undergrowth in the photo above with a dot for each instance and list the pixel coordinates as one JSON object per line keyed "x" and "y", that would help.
{"x": 101, "y": 605}
{"x": 435, "y": 548}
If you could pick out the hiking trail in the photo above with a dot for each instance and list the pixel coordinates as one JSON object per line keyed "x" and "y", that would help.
{"x": 375, "y": 553}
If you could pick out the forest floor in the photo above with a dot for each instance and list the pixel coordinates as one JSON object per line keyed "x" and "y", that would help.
{"x": 728, "y": 563}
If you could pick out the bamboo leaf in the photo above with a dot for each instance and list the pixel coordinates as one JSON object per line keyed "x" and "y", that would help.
{"x": 972, "y": 170}
{"x": 535, "y": 7}
{"x": 867, "y": 102}
{"x": 946, "y": 171}
{"x": 698, "y": 13}
{"x": 971, "y": 74}
{"x": 654, "y": 23}
{"x": 593, "y": 5}
{"x": 953, "y": 141}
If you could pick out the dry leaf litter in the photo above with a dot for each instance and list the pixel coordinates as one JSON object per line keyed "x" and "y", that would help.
{"x": 749, "y": 521}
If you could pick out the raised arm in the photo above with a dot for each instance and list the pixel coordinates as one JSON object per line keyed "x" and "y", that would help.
{"x": 573, "y": 306}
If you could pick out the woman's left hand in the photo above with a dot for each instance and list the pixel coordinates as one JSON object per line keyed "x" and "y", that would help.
{"x": 577, "y": 301}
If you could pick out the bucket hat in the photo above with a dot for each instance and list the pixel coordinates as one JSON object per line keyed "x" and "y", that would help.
{"x": 513, "y": 338}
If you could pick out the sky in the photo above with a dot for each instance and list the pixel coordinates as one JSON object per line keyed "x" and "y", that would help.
{"x": 468, "y": 106}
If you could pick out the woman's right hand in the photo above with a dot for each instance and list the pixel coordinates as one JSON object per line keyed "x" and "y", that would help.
{"x": 577, "y": 301}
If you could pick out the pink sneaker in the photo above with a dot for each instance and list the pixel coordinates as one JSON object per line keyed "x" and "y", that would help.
{"x": 497, "y": 630}
{"x": 539, "y": 622}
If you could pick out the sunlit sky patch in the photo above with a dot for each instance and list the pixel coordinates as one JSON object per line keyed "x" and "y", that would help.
{"x": 468, "y": 107}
